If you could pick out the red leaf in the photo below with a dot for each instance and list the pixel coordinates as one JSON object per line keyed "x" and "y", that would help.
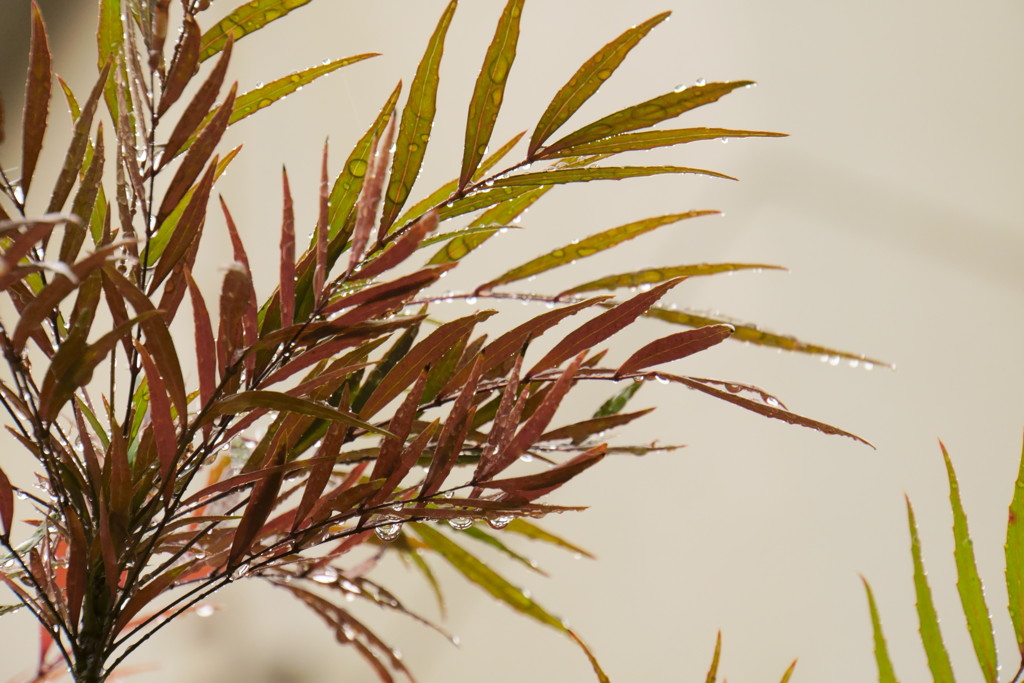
{"x": 78, "y": 559}
{"x": 532, "y": 486}
{"x": 160, "y": 414}
{"x": 320, "y": 474}
{"x": 250, "y": 316}
{"x": 675, "y": 346}
{"x": 453, "y": 434}
{"x": 197, "y": 109}
{"x": 403, "y": 248}
{"x": 579, "y": 431}
{"x": 603, "y": 326}
{"x": 76, "y": 149}
{"x": 402, "y": 289}
{"x": 506, "y": 419}
{"x": 183, "y": 66}
{"x": 370, "y": 194}
{"x": 234, "y": 300}
{"x": 322, "y": 226}
{"x": 287, "y": 288}
{"x": 420, "y": 356}
{"x": 206, "y": 361}
{"x": 187, "y": 231}
{"x": 6, "y": 505}
{"x": 37, "y": 99}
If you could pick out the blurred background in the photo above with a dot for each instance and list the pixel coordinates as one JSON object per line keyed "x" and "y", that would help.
{"x": 896, "y": 204}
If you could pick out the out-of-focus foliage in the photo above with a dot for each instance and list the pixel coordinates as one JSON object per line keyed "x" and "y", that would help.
{"x": 342, "y": 413}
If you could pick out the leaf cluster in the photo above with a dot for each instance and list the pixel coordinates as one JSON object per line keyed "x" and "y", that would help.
{"x": 340, "y": 413}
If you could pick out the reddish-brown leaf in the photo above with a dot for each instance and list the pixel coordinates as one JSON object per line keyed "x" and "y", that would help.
{"x": 287, "y": 288}
{"x": 263, "y": 401}
{"x": 234, "y": 301}
{"x": 188, "y": 229}
{"x": 108, "y": 553}
{"x": 403, "y": 374}
{"x": 85, "y": 201}
{"x": 150, "y": 592}
{"x": 261, "y": 504}
{"x": 532, "y": 486}
{"x": 183, "y": 66}
{"x": 250, "y": 315}
{"x": 322, "y": 226}
{"x": 76, "y": 149}
{"x": 506, "y": 419}
{"x": 675, "y": 346}
{"x": 370, "y": 194}
{"x": 400, "y": 425}
{"x": 320, "y": 474}
{"x": 402, "y": 289}
{"x": 37, "y": 99}
{"x": 78, "y": 560}
{"x": 6, "y": 505}
{"x": 603, "y": 326}
{"x": 196, "y": 157}
{"x": 453, "y": 434}
{"x": 401, "y": 249}
{"x": 206, "y": 359}
{"x": 160, "y": 415}
{"x": 197, "y": 109}
{"x": 579, "y": 431}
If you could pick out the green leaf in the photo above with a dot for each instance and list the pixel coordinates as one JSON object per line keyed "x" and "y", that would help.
{"x": 262, "y": 97}
{"x": 490, "y": 89}
{"x": 715, "y": 658}
{"x": 247, "y": 18}
{"x": 1015, "y": 556}
{"x": 506, "y": 210}
{"x": 972, "y": 596}
{"x": 645, "y": 114}
{"x": 109, "y": 36}
{"x": 617, "y": 402}
{"x": 584, "y": 175}
{"x": 491, "y": 540}
{"x": 651, "y": 139}
{"x": 788, "y": 673}
{"x": 650, "y": 276}
{"x": 754, "y": 335}
{"x": 530, "y": 530}
{"x": 586, "y": 81}
{"x": 931, "y": 636}
{"x": 275, "y": 400}
{"x": 588, "y": 247}
{"x": 417, "y": 120}
{"x": 885, "y": 670}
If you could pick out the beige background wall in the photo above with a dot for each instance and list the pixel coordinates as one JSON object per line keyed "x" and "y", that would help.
{"x": 896, "y": 204}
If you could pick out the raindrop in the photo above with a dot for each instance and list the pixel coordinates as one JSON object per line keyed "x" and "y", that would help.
{"x": 460, "y": 523}
{"x": 456, "y": 641}
{"x": 398, "y": 507}
{"x": 350, "y": 587}
{"x": 326, "y": 574}
{"x": 772, "y": 401}
{"x": 259, "y": 84}
{"x": 854, "y": 362}
{"x": 500, "y": 522}
{"x": 869, "y": 366}
{"x": 662, "y": 380}
{"x": 700, "y": 81}
{"x": 206, "y": 610}
{"x": 833, "y": 361}
{"x": 397, "y": 654}
{"x": 389, "y": 529}
{"x": 550, "y": 304}
{"x": 240, "y": 571}
{"x": 471, "y": 300}
{"x": 724, "y": 141}
{"x": 19, "y": 193}
{"x": 526, "y": 457}
{"x": 638, "y": 380}
{"x": 20, "y": 495}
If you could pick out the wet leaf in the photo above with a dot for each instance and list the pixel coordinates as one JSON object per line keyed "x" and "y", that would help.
{"x": 1015, "y": 556}
{"x": 529, "y": 487}
{"x": 931, "y": 637}
{"x": 206, "y": 360}
{"x": 586, "y": 81}
{"x": 275, "y": 400}
{"x": 164, "y": 434}
{"x": 596, "y": 330}
{"x": 320, "y": 236}
{"x": 645, "y": 114}
{"x": 402, "y": 248}
{"x": 37, "y": 99}
{"x": 713, "y": 670}
{"x": 885, "y": 670}
{"x": 532, "y": 531}
{"x": 370, "y": 196}
{"x": 185, "y": 231}
{"x": 492, "y": 540}
{"x": 652, "y": 276}
{"x": 788, "y": 673}
{"x": 234, "y": 302}
{"x": 651, "y": 139}
{"x": 184, "y": 65}
{"x": 249, "y": 321}
{"x": 675, "y": 346}
{"x": 588, "y": 247}
{"x": 193, "y": 116}
{"x": 247, "y": 18}
{"x": 287, "y": 269}
{"x": 580, "y": 431}
{"x": 750, "y": 333}
{"x": 972, "y": 596}
{"x": 417, "y": 120}
{"x": 76, "y": 149}
{"x": 85, "y": 200}
{"x": 559, "y": 176}
{"x": 148, "y": 593}
{"x": 6, "y": 505}
{"x": 453, "y": 433}
{"x": 490, "y": 89}
{"x": 489, "y": 222}
{"x": 250, "y": 102}
{"x": 618, "y": 401}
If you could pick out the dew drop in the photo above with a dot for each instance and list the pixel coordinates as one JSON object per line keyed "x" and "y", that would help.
{"x": 854, "y": 362}
{"x": 500, "y": 522}
{"x": 389, "y": 529}
{"x": 350, "y": 587}
{"x": 833, "y": 361}
{"x": 240, "y": 571}
{"x": 662, "y": 380}
{"x": 869, "y": 366}
{"x": 205, "y": 610}
{"x": 526, "y": 457}
{"x": 460, "y": 523}
{"x": 772, "y": 401}
{"x": 448, "y": 494}
{"x": 325, "y": 575}
{"x": 471, "y": 300}
{"x": 700, "y": 81}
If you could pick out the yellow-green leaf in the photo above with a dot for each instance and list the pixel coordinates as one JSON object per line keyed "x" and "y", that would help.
{"x": 754, "y": 335}
{"x": 645, "y": 114}
{"x": 788, "y": 673}
{"x": 885, "y": 670}
{"x": 928, "y": 619}
{"x": 490, "y": 89}
{"x": 715, "y": 658}
{"x": 583, "y": 175}
{"x": 532, "y": 531}
{"x": 586, "y": 81}
{"x": 589, "y": 246}
{"x": 650, "y": 276}
{"x": 488, "y": 223}
{"x": 247, "y": 18}
{"x": 417, "y": 120}
{"x": 650, "y": 139}
{"x": 1015, "y": 556}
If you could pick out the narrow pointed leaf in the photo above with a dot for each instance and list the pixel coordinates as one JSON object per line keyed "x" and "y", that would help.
{"x": 651, "y": 139}
{"x": 84, "y": 202}
{"x": 618, "y": 401}
{"x": 6, "y": 505}
{"x": 402, "y": 248}
{"x": 245, "y": 19}
{"x": 529, "y": 487}
{"x": 886, "y": 674}
{"x": 754, "y": 335}
{"x": 645, "y": 114}
{"x": 37, "y": 99}
{"x": 320, "y": 236}
{"x": 275, "y": 400}
{"x": 675, "y": 346}
{"x": 532, "y": 531}
{"x": 584, "y": 175}
{"x": 192, "y": 118}
{"x": 788, "y": 673}
{"x": 972, "y": 596}
{"x": 417, "y": 120}
{"x": 478, "y": 534}
{"x": 715, "y": 658}
{"x": 586, "y": 81}
{"x": 287, "y": 269}
{"x": 503, "y": 213}
{"x": 206, "y": 360}
{"x": 652, "y": 276}
{"x": 1014, "y": 550}
{"x": 490, "y": 89}
{"x": 184, "y": 66}
{"x": 160, "y": 415}
{"x": 580, "y": 431}
{"x": 251, "y": 102}
{"x": 596, "y": 330}
{"x": 931, "y": 636}
{"x": 453, "y": 434}
{"x": 76, "y": 149}
{"x": 589, "y": 246}
{"x": 369, "y": 196}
